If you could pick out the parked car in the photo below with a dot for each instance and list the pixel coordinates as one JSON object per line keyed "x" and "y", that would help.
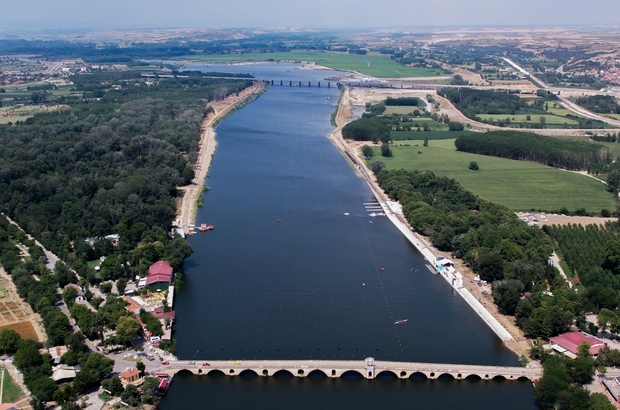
{"x": 206, "y": 364}
{"x": 191, "y": 363}
{"x": 165, "y": 363}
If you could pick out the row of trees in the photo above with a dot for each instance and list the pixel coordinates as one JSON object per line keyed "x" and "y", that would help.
{"x": 574, "y": 155}
{"x": 367, "y": 129}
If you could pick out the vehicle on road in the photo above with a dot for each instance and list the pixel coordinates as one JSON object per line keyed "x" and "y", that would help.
{"x": 237, "y": 362}
{"x": 206, "y": 364}
{"x": 192, "y": 363}
{"x": 165, "y": 363}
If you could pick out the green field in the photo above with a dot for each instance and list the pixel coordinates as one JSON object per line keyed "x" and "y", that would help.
{"x": 552, "y": 121}
{"x": 614, "y": 147}
{"x": 11, "y": 391}
{"x": 404, "y": 137}
{"x": 372, "y": 65}
{"x": 519, "y": 185}
{"x": 614, "y": 116}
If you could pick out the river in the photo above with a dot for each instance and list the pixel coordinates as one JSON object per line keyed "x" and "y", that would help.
{"x": 287, "y": 275}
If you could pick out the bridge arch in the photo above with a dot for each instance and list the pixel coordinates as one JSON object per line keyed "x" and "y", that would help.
{"x": 283, "y": 373}
{"x": 214, "y": 372}
{"x": 446, "y": 376}
{"x": 386, "y": 374}
{"x": 317, "y": 373}
{"x": 473, "y": 376}
{"x": 351, "y": 374}
{"x": 185, "y": 370}
{"x": 248, "y": 373}
{"x": 499, "y": 377}
{"x": 418, "y": 375}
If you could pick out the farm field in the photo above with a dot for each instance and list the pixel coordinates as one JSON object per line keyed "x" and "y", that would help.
{"x": 519, "y": 185}
{"x": 16, "y": 314}
{"x": 404, "y": 136}
{"x": 372, "y": 65}
{"x": 552, "y": 120}
{"x": 11, "y": 392}
{"x": 20, "y": 113}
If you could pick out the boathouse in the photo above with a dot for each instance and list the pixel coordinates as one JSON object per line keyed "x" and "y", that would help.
{"x": 160, "y": 273}
{"x": 568, "y": 343}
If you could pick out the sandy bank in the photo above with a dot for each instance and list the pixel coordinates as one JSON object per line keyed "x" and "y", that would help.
{"x": 186, "y": 211}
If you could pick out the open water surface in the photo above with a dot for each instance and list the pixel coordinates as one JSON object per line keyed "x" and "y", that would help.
{"x": 286, "y": 275}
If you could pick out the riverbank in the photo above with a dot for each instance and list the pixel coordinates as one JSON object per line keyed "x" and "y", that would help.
{"x": 188, "y": 206}
{"x": 479, "y": 298}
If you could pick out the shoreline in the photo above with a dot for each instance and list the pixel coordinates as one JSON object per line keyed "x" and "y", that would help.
{"x": 515, "y": 340}
{"x": 188, "y": 208}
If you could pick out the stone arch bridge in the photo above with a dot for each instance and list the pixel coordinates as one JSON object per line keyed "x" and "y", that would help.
{"x": 368, "y": 368}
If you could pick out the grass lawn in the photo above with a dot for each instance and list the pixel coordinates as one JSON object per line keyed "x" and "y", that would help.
{"x": 519, "y": 185}
{"x": 93, "y": 264}
{"x": 403, "y": 109}
{"x": 408, "y": 136}
{"x": 551, "y": 120}
{"x": 372, "y": 65}
{"x": 614, "y": 116}
{"x": 11, "y": 391}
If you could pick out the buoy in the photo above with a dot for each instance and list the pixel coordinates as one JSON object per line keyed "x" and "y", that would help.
{"x": 382, "y": 268}
{"x": 278, "y": 219}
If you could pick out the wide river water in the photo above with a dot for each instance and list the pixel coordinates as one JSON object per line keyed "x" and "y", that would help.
{"x": 287, "y": 275}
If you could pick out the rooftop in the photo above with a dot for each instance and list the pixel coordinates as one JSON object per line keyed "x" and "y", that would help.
{"x": 572, "y": 340}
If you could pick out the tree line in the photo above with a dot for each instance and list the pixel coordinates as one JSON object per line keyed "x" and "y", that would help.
{"x": 573, "y": 155}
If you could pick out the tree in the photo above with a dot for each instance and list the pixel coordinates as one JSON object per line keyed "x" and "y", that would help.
{"x": 10, "y": 341}
{"x": 543, "y": 122}
{"x": 425, "y": 143}
{"x": 126, "y": 329}
{"x": 507, "y": 294}
{"x": 613, "y": 180}
{"x": 120, "y": 285}
{"x": 598, "y": 401}
{"x": 367, "y": 151}
{"x": 131, "y": 395}
{"x": 473, "y": 165}
{"x": 105, "y": 287}
{"x": 140, "y": 366}
{"x": 68, "y": 295}
{"x": 385, "y": 150}
{"x": 377, "y": 167}
{"x": 150, "y": 384}
{"x": 113, "y": 385}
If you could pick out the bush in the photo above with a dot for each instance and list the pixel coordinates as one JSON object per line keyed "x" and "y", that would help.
{"x": 473, "y": 166}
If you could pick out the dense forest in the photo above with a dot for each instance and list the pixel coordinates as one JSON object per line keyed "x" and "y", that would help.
{"x": 404, "y": 101}
{"x": 573, "y": 155}
{"x": 473, "y": 102}
{"x": 602, "y": 104}
{"x": 107, "y": 165}
{"x": 367, "y": 129}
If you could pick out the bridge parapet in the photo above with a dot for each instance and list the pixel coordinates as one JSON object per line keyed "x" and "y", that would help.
{"x": 368, "y": 368}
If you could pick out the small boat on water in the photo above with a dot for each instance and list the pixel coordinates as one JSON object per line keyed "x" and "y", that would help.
{"x": 346, "y": 214}
{"x": 400, "y": 322}
{"x": 373, "y": 214}
{"x": 205, "y": 227}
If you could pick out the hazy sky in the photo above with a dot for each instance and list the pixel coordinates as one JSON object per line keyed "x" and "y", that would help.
{"x": 98, "y": 14}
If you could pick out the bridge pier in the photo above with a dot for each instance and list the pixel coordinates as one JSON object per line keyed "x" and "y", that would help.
{"x": 281, "y": 82}
{"x": 319, "y": 83}
{"x": 329, "y": 84}
{"x": 290, "y": 84}
{"x": 300, "y": 83}
{"x": 309, "y": 84}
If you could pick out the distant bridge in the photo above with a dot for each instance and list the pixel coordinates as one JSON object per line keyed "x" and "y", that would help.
{"x": 368, "y": 368}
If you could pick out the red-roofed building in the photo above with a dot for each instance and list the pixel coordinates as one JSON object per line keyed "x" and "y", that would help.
{"x": 130, "y": 376}
{"x": 569, "y": 342}
{"x": 159, "y": 272}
